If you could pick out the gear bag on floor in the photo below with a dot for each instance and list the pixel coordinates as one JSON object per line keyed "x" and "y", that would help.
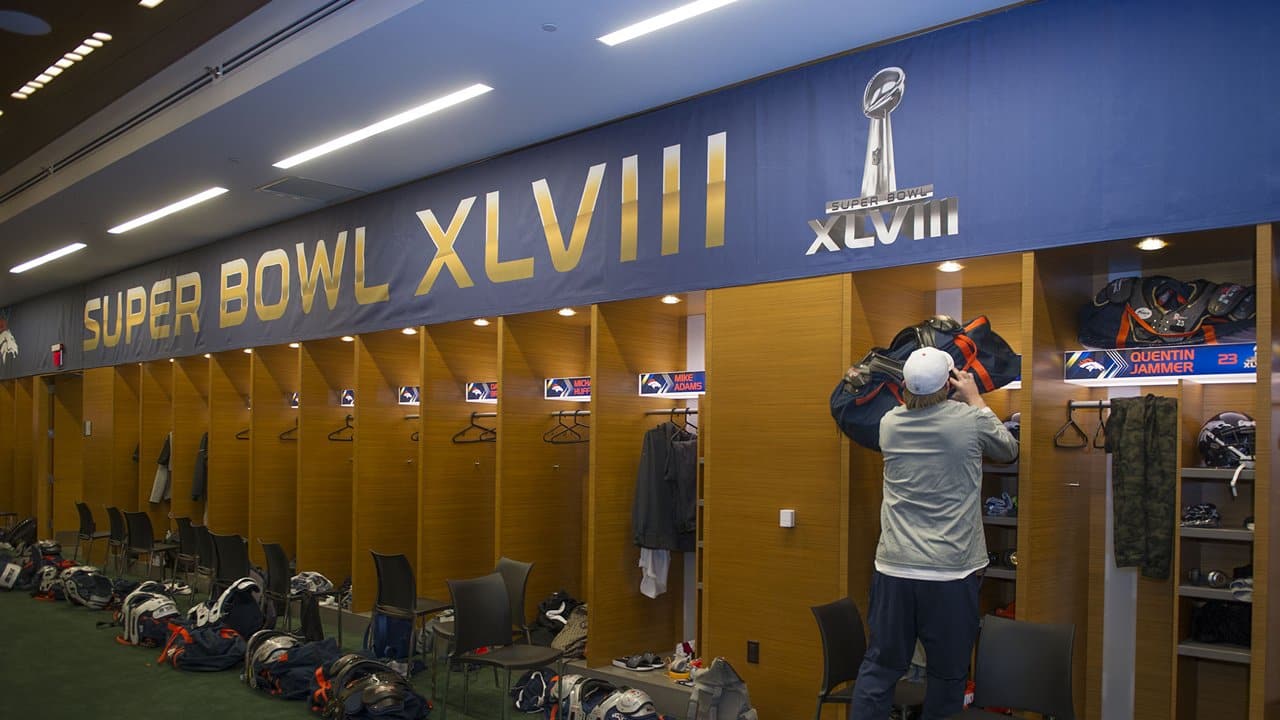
{"x": 206, "y": 649}
{"x": 719, "y": 693}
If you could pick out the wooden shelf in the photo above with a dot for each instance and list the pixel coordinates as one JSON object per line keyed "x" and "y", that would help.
{"x": 1220, "y": 534}
{"x": 1223, "y": 474}
{"x": 1010, "y": 469}
{"x": 1214, "y": 651}
{"x": 1001, "y": 520}
{"x": 1206, "y": 593}
{"x": 1002, "y": 573}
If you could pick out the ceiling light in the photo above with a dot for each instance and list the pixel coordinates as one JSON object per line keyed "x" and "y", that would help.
{"x": 43, "y": 78}
{"x": 170, "y": 359}
{"x": 348, "y": 338}
{"x": 47, "y": 257}
{"x": 1151, "y": 244}
{"x": 950, "y": 266}
{"x": 481, "y": 322}
{"x": 567, "y": 312}
{"x": 409, "y": 331}
{"x": 657, "y": 22}
{"x": 73, "y": 57}
{"x": 83, "y": 50}
{"x": 248, "y": 351}
{"x": 93, "y": 42}
{"x": 208, "y": 356}
{"x": 19, "y": 95}
{"x": 101, "y": 36}
{"x": 670, "y": 300}
{"x": 53, "y": 70}
{"x": 150, "y": 3}
{"x": 1, "y": 112}
{"x": 29, "y": 88}
{"x": 382, "y": 126}
{"x": 196, "y": 199}
{"x": 35, "y": 84}
{"x": 63, "y": 63}
{"x": 295, "y": 346}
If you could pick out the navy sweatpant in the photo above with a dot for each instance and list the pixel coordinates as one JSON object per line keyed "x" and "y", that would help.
{"x": 944, "y": 616}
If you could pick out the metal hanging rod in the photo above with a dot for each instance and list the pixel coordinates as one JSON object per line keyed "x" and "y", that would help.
{"x": 1088, "y": 404}
{"x": 412, "y": 417}
{"x": 673, "y": 411}
{"x": 570, "y": 413}
{"x": 484, "y": 414}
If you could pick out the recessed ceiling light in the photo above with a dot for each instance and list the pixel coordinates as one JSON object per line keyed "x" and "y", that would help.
{"x": 409, "y": 331}
{"x": 208, "y": 355}
{"x": 149, "y": 3}
{"x": 382, "y": 126}
{"x": 102, "y": 36}
{"x": 18, "y": 95}
{"x": 170, "y": 359}
{"x": 550, "y": 27}
{"x": 1151, "y": 244}
{"x": 348, "y": 338}
{"x": 481, "y": 322}
{"x": 950, "y": 266}
{"x": 154, "y": 215}
{"x": 670, "y": 299}
{"x": 657, "y": 22}
{"x": 63, "y": 63}
{"x": 43, "y": 78}
{"x": 29, "y": 88}
{"x": 35, "y": 84}
{"x": 567, "y": 312}
{"x": 73, "y": 56}
{"x": 295, "y": 346}
{"x": 93, "y": 42}
{"x": 47, "y": 257}
{"x": 83, "y": 50}
{"x": 53, "y": 70}
{"x": 248, "y": 351}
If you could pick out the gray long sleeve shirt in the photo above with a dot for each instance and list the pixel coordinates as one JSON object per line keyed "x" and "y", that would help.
{"x": 931, "y": 517}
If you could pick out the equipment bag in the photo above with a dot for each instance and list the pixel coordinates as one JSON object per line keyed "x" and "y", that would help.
{"x": 577, "y": 696}
{"x": 719, "y": 693}
{"x": 626, "y": 704}
{"x": 241, "y": 607}
{"x": 87, "y": 586}
{"x": 873, "y": 386}
{"x": 283, "y": 665}
{"x": 145, "y": 615}
{"x": 205, "y": 649}
{"x": 355, "y": 687}
{"x": 390, "y": 634}
{"x": 533, "y": 691}
{"x": 1158, "y": 310}
{"x": 572, "y": 640}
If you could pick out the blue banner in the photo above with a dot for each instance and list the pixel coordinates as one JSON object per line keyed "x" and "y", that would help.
{"x": 573, "y": 389}
{"x": 682, "y": 384}
{"x": 1055, "y": 123}
{"x": 482, "y": 392}
{"x": 1162, "y": 365}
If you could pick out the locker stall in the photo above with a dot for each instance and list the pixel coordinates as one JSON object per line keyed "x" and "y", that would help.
{"x": 227, "y": 505}
{"x": 190, "y": 423}
{"x": 124, "y": 428}
{"x": 541, "y": 482}
{"x": 155, "y": 399}
{"x": 24, "y": 447}
{"x": 457, "y": 449}
{"x": 97, "y": 449}
{"x": 8, "y": 481}
{"x": 68, "y": 460}
{"x": 273, "y": 444}
{"x": 627, "y": 338}
{"x": 384, "y": 509}
{"x": 325, "y": 447}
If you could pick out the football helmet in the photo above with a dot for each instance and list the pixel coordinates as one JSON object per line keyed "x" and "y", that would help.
{"x": 1227, "y": 439}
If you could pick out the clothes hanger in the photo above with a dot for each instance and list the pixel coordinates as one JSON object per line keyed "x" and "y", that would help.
{"x": 487, "y": 434}
{"x": 1101, "y": 432}
{"x": 1082, "y": 438}
{"x": 243, "y": 434}
{"x": 291, "y": 433}
{"x": 338, "y": 436}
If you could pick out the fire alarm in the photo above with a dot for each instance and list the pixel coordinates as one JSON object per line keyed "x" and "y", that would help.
{"x": 57, "y": 352}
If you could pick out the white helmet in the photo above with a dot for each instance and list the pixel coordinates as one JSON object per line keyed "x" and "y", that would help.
{"x": 626, "y": 704}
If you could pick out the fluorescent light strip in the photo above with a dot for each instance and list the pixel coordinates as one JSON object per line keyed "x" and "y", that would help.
{"x": 666, "y": 19}
{"x": 63, "y": 63}
{"x": 382, "y": 126}
{"x": 196, "y": 199}
{"x": 150, "y": 3}
{"x": 47, "y": 257}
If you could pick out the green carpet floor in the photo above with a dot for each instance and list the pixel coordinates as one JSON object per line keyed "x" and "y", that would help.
{"x": 55, "y": 664}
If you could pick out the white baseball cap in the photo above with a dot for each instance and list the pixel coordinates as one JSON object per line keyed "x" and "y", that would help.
{"x": 927, "y": 370}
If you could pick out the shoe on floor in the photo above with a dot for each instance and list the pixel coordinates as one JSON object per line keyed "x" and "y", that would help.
{"x": 641, "y": 663}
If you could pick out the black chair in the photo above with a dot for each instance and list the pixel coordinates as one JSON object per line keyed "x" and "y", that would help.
{"x": 515, "y": 575}
{"x": 1023, "y": 666}
{"x": 843, "y": 646}
{"x": 142, "y": 539}
{"x": 188, "y": 558}
{"x": 88, "y": 531}
{"x": 482, "y": 619}
{"x": 397, "y": 590}
{"x": 231, "y": 561}
{"x": 278, "y": 577}
{"x": 117, "y": 539}
{"x": 206, "y": 558}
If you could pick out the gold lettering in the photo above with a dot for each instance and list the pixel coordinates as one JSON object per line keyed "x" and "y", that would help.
{"x": 135, "y": 297}
{"x": 446, "y": 256}
{"x": 373, "y": 293}
{"x": 630, "y": 206}
{"x": 500, "y": 270}
{"x": 91, "y": 323}
{"x": 271, "y": 311}
{"x": 566, "y": 258}
{"x": 183, "y": 307}
{"x": 238, "y": 293}
{"x": 159, "y": 309}
{"x": 108, "y": 338}
{"x": 671, "y": 200}
{"x": 329, "y": 268}
{"x": 716, "y": 151}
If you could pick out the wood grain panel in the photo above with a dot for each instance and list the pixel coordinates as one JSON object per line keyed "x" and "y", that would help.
{"x": 155, "y": 398}
{"x": 24, "y": 447}
{"x": 385, "y": 509}
{"x": 457, "y": 481}
{"x": 273, "y": 461}
{"x": 1053, "y": 504}
{"x": 68, "y": 451}
{"x": 1264, "y": 683}
{"x": 190, "y": 422}
{"x": 125, "y": 411}
{"x": 765, "y": 451}
{"x": 325, "y": 467}
{"x": 8, "y": 481}
{"x": 540, "y": 488}
{"x": 42, "y": 447}
{"x": 1002, "y": 304}
{"x": 228, "y": 505}
{"x": 97, "y": 448}
{"x": 628, "y": 338}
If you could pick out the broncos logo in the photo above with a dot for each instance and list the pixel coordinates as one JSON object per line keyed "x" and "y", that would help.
{"x": 8, "y": 345}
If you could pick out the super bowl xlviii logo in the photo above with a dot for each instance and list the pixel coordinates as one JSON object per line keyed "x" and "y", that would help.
{"x": 883, "y": 212}
{"x": 8, "y": 343}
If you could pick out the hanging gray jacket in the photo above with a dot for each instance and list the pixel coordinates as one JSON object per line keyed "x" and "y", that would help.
{"x": 160, "y": 488}
{"x": 200, "y": 479}
{"x": 666, "y": 487}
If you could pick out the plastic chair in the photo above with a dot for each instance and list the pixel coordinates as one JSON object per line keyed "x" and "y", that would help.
{"x": 142, "y": 539}
{"x": 278, "y": 576}
{"x": 482, "y": 620}
{"x": 188, "y": 556}
{"x": 88, "y": 531}
{"x": 1023, "y": 666}
{"x": 397, "y": 590}
{"x": 117, "y": 539}
{"x": 231, "y": 558}
{"x": 843, "y": 646}
{"x": 515, "y": 575}
{"x": 206, "y": 559}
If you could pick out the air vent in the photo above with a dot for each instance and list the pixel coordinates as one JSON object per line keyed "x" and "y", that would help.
{"x": 300, "y": 188}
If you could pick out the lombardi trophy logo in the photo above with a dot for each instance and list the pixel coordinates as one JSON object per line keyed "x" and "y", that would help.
{"x": 881, "y": 97}
{"x": 8, "y": 343}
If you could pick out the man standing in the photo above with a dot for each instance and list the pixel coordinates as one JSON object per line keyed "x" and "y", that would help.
{"x": 932, "y": 551}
